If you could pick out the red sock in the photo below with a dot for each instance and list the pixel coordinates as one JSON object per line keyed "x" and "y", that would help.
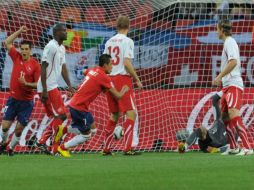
{"x": 230, "y": 129}
{"x": 55, "y": 123}
{"x": 128, "y": 134}
{"x": 46, "y": 134}
{"x": 241, "y": 130}
{"x": 109, "y": 135}
{"x": 63, "y": 147}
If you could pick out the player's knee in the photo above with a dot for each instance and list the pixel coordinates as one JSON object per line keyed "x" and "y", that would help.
{"x": 131, "y": 115}
{"x": 114, "y": 116}
{"x": 6, "y": 125}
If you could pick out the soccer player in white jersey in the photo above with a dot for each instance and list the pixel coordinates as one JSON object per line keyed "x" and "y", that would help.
{"x": 121, "y": 49}
{"x": 230, "y": 77}
{"x": 52, "y": 67}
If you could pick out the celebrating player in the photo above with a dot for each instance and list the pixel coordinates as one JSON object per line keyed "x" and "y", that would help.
{"x": 230, "y": 77}
{"x": 53, "y": 66}
{"x": 24, "y": 77}
{"x": 121, "y": 49}
{"x": 95, "y": 82}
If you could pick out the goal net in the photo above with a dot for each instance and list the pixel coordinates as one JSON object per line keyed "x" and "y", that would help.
{"x": 177, "y": 55}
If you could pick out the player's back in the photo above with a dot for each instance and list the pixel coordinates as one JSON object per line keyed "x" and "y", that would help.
{"x": 119, "y": 47}
{"x": 95, "y": 82}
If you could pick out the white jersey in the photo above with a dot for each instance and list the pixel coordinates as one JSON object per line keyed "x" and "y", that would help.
{"x": 231, "y": 51}
{"x": 54, "y": 55}
{"x": 119, "y": 47}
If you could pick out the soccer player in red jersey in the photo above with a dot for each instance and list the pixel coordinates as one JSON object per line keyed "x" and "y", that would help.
{"x": 96, "y": 81}
{"x": 52, "y": 68}
{"x": 24, "y": 77}
{"x": 232, "y": 82}
{"x": 121, "y": 49}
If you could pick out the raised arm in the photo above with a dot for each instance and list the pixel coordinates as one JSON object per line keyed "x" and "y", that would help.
{"x": 12, "y": 37}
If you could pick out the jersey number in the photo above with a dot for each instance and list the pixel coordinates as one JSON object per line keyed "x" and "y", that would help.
{"x": 116, "y": 51}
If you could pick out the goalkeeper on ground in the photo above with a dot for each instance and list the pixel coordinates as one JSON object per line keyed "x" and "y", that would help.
{"x": 212, "y": 140}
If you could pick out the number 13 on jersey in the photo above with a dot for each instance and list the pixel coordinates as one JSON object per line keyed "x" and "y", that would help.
{"x": 114, "y": 52}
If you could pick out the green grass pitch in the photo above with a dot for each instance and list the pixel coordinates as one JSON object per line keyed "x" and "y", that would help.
{"x": 155, "y": 171}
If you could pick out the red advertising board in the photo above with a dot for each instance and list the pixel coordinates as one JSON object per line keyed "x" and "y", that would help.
{"x": 161, "y": 114}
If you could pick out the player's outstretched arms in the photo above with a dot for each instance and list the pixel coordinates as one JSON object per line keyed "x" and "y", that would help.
{"x": 118, "y": 95}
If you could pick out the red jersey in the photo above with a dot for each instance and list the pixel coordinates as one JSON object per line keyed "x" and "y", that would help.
{"x": 95, "y": 82}
{"x": 30, "y": 69}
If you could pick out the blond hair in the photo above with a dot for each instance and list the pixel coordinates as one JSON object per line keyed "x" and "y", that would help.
{"x": 122, "y": 23}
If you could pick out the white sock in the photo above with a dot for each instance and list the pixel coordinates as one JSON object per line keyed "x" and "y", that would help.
{"x": 4, "y": 135}
{"x": 72, "y": 130}
{"x": 78, "y": 139}
{"x": 14, "y": 141}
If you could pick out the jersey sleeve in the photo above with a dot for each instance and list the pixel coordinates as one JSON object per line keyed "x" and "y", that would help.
{"x": 129, "y": 53}
{"x": 13, "y": 53}
{"x": 48, "y": 54}
{"x": 231, "y": 50}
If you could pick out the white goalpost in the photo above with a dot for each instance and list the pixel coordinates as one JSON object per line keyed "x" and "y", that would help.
{"x": 177, "y": 56}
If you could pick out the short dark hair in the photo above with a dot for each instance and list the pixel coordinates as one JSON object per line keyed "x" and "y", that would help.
{"x": 25, "y": 42}
{"x": 225, "y": 26}
{"x": 57, "y": 27}
{"x": 104, "y": 59}
{"x": 123, "y": 22}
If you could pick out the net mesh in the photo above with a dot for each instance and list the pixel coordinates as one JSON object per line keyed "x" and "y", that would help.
{"x": 177, "y": 55}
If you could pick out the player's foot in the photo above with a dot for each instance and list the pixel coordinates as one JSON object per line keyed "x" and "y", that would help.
{"x": 230, "y": 151}
{"x": 59, "y": 134}
{"x": 245, "y": 152}
{"x": 107, "y": 153}
{"x": 9, "y": 151}
{"x": 64, "y": 153}
{"x": 43, "y": 148}
{"x": 131, "y": 153}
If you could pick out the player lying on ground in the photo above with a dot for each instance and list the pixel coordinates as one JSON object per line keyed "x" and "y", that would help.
{"x": 212, "y": 140}
{"x": 24, "y": 77}
{"x": 83, "y": 125}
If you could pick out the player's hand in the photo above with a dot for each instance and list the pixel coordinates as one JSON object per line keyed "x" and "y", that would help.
{"x": 217, "y": 81}
{"x": 23, "y": 29}
{"x": 22, "y": 79}
{"x": 181, "y": 147}
{"x": 71, "y": 91}
{"x": 44, "y": 96}
{"x": 139, "y": 84}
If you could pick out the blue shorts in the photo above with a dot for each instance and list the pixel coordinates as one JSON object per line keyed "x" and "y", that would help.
{"x": 81, "y": 120}
{"x": 21, "y": 109}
